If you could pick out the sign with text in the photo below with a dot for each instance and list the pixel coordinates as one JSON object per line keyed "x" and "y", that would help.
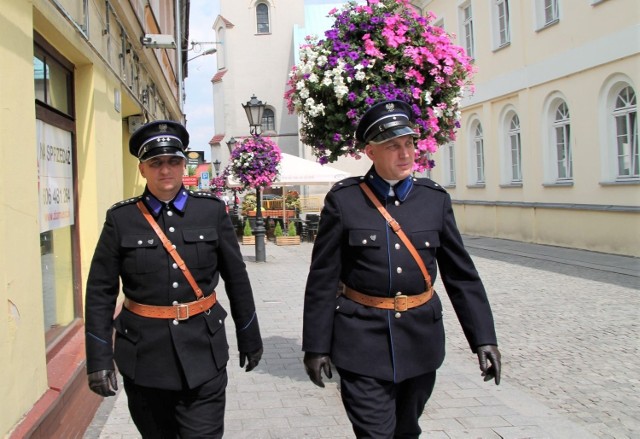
{"x": 190, "y": 180}
{"x": 55, "y": 176}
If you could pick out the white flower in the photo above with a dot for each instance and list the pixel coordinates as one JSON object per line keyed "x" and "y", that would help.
{"x": 427, "y": 97}
{"x": 313, "y": 78}
{"x": 360, "y": 76}
{"x": 437, "y": 112}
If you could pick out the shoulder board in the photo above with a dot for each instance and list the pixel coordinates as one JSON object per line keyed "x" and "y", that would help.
{"x": 426, "y": 182}
{"x": 125, "y": 202}
{"x": 351, "y": 181}
{"x": 204, "y": 194}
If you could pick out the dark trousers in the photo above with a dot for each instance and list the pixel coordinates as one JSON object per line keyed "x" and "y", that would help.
{"x": 189, "y": 413}
{"x": 381, "y": 409}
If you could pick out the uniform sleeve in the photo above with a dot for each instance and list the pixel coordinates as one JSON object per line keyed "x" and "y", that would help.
{"x": 234, "y": 273}
{"x": 322, "y": 281}
{"x": 103, "y": 286}
{"x": 463, "y": 285}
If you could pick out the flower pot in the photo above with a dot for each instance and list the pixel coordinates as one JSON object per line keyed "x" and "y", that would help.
{"x": 248, "y": 240}
{"x": 287, "y": 240}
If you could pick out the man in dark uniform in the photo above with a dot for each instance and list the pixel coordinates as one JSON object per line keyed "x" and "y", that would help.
{"x": 170, "y": 341}
{"x": 383, "y": 330}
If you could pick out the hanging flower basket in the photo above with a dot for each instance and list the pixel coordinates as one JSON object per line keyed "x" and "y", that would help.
{"x": 255, "y": 162}
{"x": 382, "y": 50}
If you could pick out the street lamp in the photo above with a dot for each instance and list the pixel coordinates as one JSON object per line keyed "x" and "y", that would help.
{"x": 216, "y": 166}
{"x": 254, "y": 109}
{"x": 231, "y": 144}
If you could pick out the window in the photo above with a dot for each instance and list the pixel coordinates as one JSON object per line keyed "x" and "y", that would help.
{"x": 557, "y": 148}
{"x": 515, "y": 149}
{"x": 502, "y": 35}
{"x": 262, "y": 18}
{"x": 546, "y": 13}
{"x": 268, "y": 120}
{"x": 561, "y": 134}
{"x": 625, "y": 116}
{"x": 449, "y": 164}
{"x": 477, "y": 151}
{"x": 467, "y": 29}
{"x": 57, "y": 175}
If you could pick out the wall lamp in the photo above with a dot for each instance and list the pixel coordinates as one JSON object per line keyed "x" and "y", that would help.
{"x": 158, "y": 41}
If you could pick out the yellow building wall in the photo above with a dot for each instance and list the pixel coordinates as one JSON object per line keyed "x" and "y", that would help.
{"x": 23, "y": 380}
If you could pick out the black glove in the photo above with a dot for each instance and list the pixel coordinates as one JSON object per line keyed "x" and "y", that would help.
{"x": 103, "y": 381}
{"x": 491, "y": 353}
{"x": 314, "y": 364}
{"x": 252, "y": 359}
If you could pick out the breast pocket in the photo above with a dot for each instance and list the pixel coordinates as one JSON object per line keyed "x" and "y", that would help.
{"x": 363, "y": 239}
{"x": 426, "y": 240}
{"x": 140, "y": 253}
{"x": 200, "y": 247}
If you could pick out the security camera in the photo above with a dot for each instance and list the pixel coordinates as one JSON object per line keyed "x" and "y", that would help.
{"x": 158, "y": 41}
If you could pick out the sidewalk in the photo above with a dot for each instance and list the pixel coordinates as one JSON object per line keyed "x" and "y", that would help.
{"x": 567, "y": 323}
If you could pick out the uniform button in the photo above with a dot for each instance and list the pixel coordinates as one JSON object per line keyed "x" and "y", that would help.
{"x": 175, "y": 322}
{"x": 172, "y": 229}
{"x": 435, "y": 184}
{"x": 397, "y": 203}
{"x": 364, "y": 241}
{"x": 173, "y": 245}
{"x": 397, "y": 246}
{"x": 175, "y": 266}
{"x": 175, "y": 302}
{"x": 126, "y": 331}
{"x": 175, "y": 285}
{"x": 201, "y": 237}
{"x": 169, "y": 213}
{"x": 338, "y": 307}
{"x": 139, "y": 242}
{"x": 427, "y": 243}
{"x": 399, "y": 270}
{"x": 220, "y": 321}
{"x": 397, "y": 316}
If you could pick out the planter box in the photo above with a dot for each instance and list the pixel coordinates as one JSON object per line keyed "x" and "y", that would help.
{"x": 248, "y": 240}
{"x": 287, "y": 240}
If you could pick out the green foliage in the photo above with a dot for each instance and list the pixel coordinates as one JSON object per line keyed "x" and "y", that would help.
{"x": 277, "y": 231}
{"x": 292, "y": 229}
{"x": 247, "y": 229}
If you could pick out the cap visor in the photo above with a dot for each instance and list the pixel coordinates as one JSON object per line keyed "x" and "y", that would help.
{"x": 159, "y": 152}
{"x": 392, "y": 133}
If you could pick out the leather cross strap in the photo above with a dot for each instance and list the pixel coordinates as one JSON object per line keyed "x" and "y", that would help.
{"x": 170, "y": 249}
{"x": 398, "y": 231}
{"x": 399, "y": 303}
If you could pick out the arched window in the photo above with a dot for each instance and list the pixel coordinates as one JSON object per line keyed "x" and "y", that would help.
{"x": 477, "y": 151}
{"x": 562, "y": 142}
{"x": 515, "y": 148}
{"x": 625, "y": 116}
{"x": 262, "y": 18}
{"x": 268, "y": 120}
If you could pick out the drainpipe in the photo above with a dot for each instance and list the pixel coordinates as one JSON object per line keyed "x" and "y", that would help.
{"x": 179, "y": 57}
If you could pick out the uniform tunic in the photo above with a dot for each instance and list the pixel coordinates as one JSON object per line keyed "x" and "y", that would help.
{"x": 356, "y": 246}
{"x": 165, "y": 353}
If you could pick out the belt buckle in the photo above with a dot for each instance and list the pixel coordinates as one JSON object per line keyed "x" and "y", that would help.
{"x": 180, "y": 314}
{"x": 400, "y": 303}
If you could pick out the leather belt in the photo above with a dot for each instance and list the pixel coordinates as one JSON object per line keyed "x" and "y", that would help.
{"x": 397, "y": 303}
{"x": 180, "y": 311}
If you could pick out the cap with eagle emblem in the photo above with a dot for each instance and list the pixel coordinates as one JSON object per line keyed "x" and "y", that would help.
{"x": 159, "y": 138}
{"x": 384, "y": 121}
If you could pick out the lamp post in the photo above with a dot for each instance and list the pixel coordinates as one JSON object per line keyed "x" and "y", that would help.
{"x": 231, "y": 144}
{"x": 254, "y": 109}
{"x": 216, "y": 166}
